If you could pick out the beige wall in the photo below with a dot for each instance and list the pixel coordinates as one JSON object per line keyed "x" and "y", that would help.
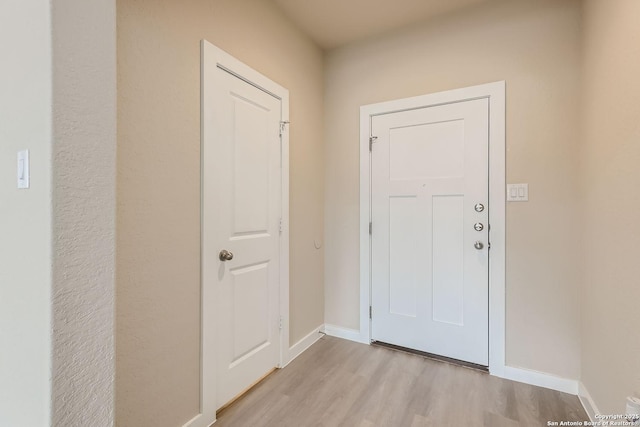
{"x": 535, "y": 47}
{"x": 25, "y": 215}
{"x": 158, "y": 216}
{"x": 610, "y": 174}
{"x": 83, "y": 177}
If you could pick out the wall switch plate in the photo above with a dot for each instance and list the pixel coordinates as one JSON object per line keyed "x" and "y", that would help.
{"x": 23, "y": 169}
{"x": 517, "y": 192}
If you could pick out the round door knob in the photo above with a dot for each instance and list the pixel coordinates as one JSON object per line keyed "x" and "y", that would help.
{"x": 478, "y": 245}
{"x": 479, "y": 207}
{"x": 478, "y": 226}
{"x": 225, "y": 255}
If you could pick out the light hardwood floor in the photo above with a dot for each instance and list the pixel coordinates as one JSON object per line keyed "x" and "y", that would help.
{"x": 342, "y": 383}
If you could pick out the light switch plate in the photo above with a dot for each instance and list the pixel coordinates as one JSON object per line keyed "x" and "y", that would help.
{"x": 23, "y": 169}
{"x": 517, "y": 192}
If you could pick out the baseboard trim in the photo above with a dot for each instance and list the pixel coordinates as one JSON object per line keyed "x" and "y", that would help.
{"x": 345, "y": 333}
{"x": 198, "y": 421}
{"x": 587, "y": 402}
{"x": 527, "y": 376}
{"x": 192, "y": 421}
{"x": 540, "y": 379}
{"x": 301, "y": 346}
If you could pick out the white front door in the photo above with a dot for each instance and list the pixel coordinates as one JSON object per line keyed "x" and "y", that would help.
{"x": 429, "y": 242}
{"x": 241, "y": 230}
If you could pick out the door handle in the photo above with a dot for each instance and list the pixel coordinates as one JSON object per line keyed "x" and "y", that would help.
{"x": 225, "y": 255}
{"x": 478, "y": 245}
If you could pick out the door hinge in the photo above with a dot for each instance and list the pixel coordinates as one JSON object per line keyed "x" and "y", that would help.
{"x": 372, "y": 139}
{"x": 283, "y": 125}
{"x": 280, "y": 323}
{"x": 370, "y": 312}
{"x": 370, "y": 228}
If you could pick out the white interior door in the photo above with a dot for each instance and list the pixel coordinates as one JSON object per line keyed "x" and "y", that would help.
{"x": 429, "y": 266}
{"x": 241, "y": 229}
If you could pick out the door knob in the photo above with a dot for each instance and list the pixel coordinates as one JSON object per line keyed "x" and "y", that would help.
{"x": 479, "y": 207}
{"x": 225, "y": 255}
{"x": 478, "y": 226}
{"x": 478, "y": 245}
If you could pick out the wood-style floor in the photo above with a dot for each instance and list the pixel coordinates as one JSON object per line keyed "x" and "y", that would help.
{"x": 342, "y": 383}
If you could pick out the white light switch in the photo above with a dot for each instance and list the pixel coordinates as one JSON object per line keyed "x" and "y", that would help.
{"x": 517, "y": 192}
{"x": 23, "y": 169}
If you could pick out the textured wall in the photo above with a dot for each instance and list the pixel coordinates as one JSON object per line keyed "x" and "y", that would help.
{"x": 535, "y": 47}
{"x": 158, "y": 216}
{"x": 83, "y": 184}
{"x": 610, "y": 174}
{"x": 25, "y": 215}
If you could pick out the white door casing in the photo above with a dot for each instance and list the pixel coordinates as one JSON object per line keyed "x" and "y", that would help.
{"x": 245, "y": 193}
{"x": 494, "y": 93}
{"x": 429, "y": 167}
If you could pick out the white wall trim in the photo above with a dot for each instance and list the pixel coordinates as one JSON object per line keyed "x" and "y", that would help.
{"x": 301, "y": 346}
{"x": 495, "y": 93}
{"x": 587, "y": 402}
{"x": 346, "y": 333}
{"x": 213, "y": 57}
{"x": 540, "y": 379}
{"x": 197, "y": 419}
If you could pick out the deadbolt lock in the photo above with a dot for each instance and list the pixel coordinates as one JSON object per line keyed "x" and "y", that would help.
{"x": 478, "y": 226}
{"x": 479, "y": 207}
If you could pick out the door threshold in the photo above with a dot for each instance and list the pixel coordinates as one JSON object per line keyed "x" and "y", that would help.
{"x": 431, "y": 356}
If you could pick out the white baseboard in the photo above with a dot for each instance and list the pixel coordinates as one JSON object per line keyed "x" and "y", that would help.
{"x": 523, "y": 375}
{"x": 587, "y": 402}
{"x": 298, "y": 348}
{"x": 199, "y": 421}
{"x": 192, "y": 421}
{"x": 345, "y": 333}
{"x": 540, "y": 379}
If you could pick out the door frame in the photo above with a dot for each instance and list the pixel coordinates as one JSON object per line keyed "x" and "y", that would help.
{"x": 495, "y": 93}
{"x": 213, "y": 57}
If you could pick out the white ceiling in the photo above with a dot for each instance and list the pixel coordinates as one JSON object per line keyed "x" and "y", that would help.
{"x": 332, "y": 23}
